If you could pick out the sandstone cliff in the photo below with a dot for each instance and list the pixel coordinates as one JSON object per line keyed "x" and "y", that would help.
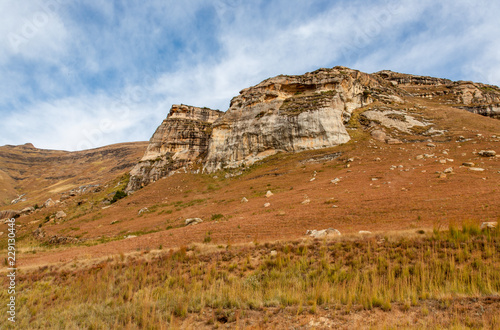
{"x": 291, "y": 113}
{"x": 181, "y": 140}
{"x": 295, "y": 113}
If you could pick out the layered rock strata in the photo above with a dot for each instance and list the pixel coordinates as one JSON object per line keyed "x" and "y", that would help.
{"x": 290, "y": 113}
{"x": 295, "y": 113}
{"x": 180, "y": 141}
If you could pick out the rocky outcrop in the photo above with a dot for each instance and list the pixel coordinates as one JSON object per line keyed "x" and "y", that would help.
{"x": 477, "y": 98}
{"x": 291, "y": 113}
{"x": 295, "y": 113}
{"x": 180, "y": 141}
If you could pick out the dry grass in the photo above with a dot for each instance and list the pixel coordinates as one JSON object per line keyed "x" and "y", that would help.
{"x": 362, "y": 274}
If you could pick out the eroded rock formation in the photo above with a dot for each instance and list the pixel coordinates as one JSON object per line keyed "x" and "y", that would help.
{"x": 295, "y": 113}
{"x": 290, "y": 113}
{"x": 181, "y": 140}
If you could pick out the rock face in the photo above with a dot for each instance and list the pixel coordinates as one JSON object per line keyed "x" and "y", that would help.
{"x": 296, "y": 113}
{"x": 289, "y": 113}
{"x": 474, "y": 97}
{"x": 181, "y": 140}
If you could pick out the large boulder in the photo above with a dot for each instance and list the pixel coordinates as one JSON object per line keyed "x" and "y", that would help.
{"x": 487, "y": 153}
{"x": 192, "y": 221}
{"x": 330, "y": 232}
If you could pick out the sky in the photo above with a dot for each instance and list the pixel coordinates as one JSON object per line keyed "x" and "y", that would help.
{"x": 78, "y": 74}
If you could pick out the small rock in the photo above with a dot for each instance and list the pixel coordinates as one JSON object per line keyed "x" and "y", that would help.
{"x": 335, "y": 181}
{"x": 269, "y": 193}
{"x": 130, "y": 236}
{"x": 487, "y": 153}
{"x": 489, "y": 225}
{"x": 312, "y": 179}
{"x": 49, "y": 203}
{"x": 141, "y": 211}
{"x": 394, "y": 141}
{"x": 364, "y": 232}
{"x": 28, "y": 210}
{"x": 431, "y": 145}
{"x": 244, "y": 200}
{"x": 306, "y": 201}
{"x": 60, "y": 215}
{"x": 442, "y": 176}
{"x": 419, "y": 157}
{"x": 378, "y": 159}
{"x": 267, "y": 204}
{"x": 448, "y": 170}
{"x": 273, "y": 253}
{"x": 378, "y": 135}
{"x": 192, "y": 221}
{"x": 476, "y": 169}
{"x": 468, "y": 164}
{"x": 442, "y": 161}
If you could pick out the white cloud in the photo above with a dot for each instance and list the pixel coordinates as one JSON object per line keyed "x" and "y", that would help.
{"x": 250, "y": 45}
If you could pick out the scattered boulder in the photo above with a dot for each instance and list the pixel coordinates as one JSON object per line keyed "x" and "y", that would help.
{"x": 335, "y": 181}
{"x": 192, "y": 221}
{"x": 267, "y": 204}
{"x": 442, "y": 176}
{"x": 419, "y": 157}
{"x": 448, "y": 170}
{"x": 28, "y": 210}
{"x": 312, "y": 179}
{"x": 49, "y": 203}
{"x": 476, "y": 169}
{"x": 378, "y": 135}
{"x": 489, "y": 225}
{"x": 244, "y": 200}
{"x": 394, "y": 141}
{"x": 60, "y": 215}
{"x": 269, "y": 193}
{"x": 468, "y": 164}
{"x": 330, "y": 232}
{"x": 487, "y": 153}
{"x": 306, "y": 201}
{"x": 273, "y": 253}
{"x": 431, "y": 145}
{"x": 143, "y": 210}
{"x": 19, "y": 199}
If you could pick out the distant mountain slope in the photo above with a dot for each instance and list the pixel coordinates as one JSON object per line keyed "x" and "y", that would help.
{"x": 41, "y": 174}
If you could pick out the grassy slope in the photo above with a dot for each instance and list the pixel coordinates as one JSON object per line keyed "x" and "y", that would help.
{"x": 441, "y": 279}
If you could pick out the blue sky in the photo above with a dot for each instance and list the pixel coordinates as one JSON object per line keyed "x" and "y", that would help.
{"x": 82, "y": 74}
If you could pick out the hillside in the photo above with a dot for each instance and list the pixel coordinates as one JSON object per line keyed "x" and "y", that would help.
{"x": 405, "y": 167}
{"x": 41, "y": 174}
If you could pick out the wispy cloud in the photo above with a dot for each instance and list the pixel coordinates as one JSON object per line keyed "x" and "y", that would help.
{"x": 100, "y": 72}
